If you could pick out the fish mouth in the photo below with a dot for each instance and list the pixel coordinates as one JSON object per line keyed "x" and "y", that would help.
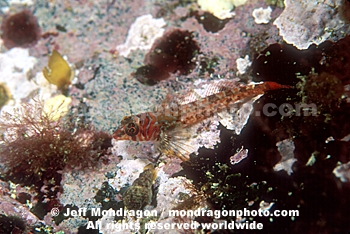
{"x": 119, "y": 134}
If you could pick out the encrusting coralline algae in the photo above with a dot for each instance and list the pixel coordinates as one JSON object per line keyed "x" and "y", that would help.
{"x": 242, "y": 159}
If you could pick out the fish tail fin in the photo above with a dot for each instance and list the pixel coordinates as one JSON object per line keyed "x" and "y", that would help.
{"x": 270, "y": 85}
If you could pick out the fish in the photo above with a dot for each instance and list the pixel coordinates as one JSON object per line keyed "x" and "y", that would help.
{"x": 176, "y": 112}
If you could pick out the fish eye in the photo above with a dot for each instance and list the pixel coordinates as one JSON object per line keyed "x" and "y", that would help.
{"x": 132, "y": 129}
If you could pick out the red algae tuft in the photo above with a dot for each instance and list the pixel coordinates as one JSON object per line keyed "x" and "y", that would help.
{"x": 20, "y": 30}
{"x": 210, "y": 22}
{"x": 344, "y": 10}
{"x": 174, "y": 52}
{"x": 35, "y": 146}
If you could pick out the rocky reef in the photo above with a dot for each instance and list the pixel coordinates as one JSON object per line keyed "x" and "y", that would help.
{"x": 71, "y": 70}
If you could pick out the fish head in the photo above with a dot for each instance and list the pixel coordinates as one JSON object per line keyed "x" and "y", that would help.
{"x": 128, "y": 129}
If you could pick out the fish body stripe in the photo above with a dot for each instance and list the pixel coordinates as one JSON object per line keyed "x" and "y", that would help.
{"x": 149, "y": 127}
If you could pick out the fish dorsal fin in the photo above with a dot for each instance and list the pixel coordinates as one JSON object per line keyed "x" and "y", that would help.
{"x": 202, "y": 90}
{"x": 206, "y": 89}
{"x": 168, "y": 105}
{"x": 188, "y": 97}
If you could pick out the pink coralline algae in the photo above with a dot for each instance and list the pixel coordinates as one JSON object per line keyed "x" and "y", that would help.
{"x": 20, "y": 30}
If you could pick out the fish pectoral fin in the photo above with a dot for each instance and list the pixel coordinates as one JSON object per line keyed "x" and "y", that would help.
{"x": 174, "y": 144}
